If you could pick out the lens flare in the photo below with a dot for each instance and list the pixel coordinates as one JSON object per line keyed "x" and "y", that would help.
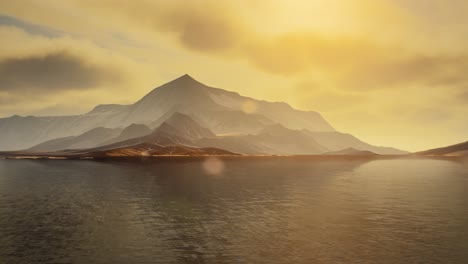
{"x": 213, "y": 166}
{"x": 249, "y": 107}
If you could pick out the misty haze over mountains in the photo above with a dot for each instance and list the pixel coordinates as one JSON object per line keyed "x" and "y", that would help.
{"x": 460, "y": 149}
{"x": 185, "y": 113}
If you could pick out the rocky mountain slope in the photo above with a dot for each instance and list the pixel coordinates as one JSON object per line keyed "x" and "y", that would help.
{"x": 148, "y": 150}
{"x": 185, "y": 112}
{"x": 216, "y": 109}
{"x": 132, "y": 131}
{"x": 453, "y": 150}
{"x": 86, "y": 140}
{"x": 335, "y": 141}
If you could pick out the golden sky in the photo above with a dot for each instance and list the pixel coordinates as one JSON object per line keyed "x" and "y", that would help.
{"x": 391, "y": 72}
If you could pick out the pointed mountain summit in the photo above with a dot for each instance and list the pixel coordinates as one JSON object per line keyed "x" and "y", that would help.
{"x": 167, "y": 135}
{"x": 191, "y": 129}
{"x": 215, "y": 108}
{"x": 191, "y": 111}
{"x": 183, "y": 94}
{"x": 186, "y": 81}
{"x": 132, "y": 131}
{"x": 178, "y": 129}
{"x": 164, "y": 135}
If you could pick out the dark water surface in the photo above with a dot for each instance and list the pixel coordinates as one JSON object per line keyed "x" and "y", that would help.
{"x": 256, "y": 211}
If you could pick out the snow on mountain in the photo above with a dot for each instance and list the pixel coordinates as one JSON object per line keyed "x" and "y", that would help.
{"x": 185, "y": 111}
{"x": 216, "y": 109}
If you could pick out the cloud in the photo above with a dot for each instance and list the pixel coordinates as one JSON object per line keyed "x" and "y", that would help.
{"x": 363, "y": 61}
{"x": 7, "y": 99}
{"x": 326, "y": 99}
{"x": 292, "y": 53}
{"x": 206, "y": 26}
{"x": 370, "y": 37}
{"x": 378, "y": 44}
{"x": 463, "y": 95}
{"x": 28, "y": 27}
{"x": 198, "y": 31}
{"x": 431, "y": 115}
{"x": 51, "y": 72}
{"x": 441, "y": 70}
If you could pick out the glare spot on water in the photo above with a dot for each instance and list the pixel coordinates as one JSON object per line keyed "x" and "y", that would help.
{"x": 334, "y": 211}
{"x": 213, "y": 166}
{"x": 249, "y": 107}
{"x": 145, "y": 153}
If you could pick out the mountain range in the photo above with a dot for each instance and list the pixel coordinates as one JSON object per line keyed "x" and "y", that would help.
{"x": 453, "y": 150}
{"x": 189, "y": 117}
{"x": 350, "y": 152}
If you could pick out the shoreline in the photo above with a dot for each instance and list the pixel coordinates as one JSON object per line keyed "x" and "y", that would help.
{"x": 37, "y": 156}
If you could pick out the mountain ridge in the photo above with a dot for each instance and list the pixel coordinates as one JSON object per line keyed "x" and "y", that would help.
{"x": 460, "y": 149}
{"x": 350, "y": 152}
{"x": 185, "y": 111}
{"x": 86, "y": 140}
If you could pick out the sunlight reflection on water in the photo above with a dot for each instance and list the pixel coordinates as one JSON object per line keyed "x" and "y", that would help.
{"x": 280, "y": 210}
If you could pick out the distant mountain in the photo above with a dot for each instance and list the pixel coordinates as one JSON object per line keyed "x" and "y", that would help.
{"x": 335, "y": 141}
{"x": 350, "y": 152}
{"x": 142, "y": 150}
{"x": 181, "y": 135}
{"x": 289, "y": 141}
{"x": 167, "y": 135}
{"x": 215, "y": 109}
{"x": 89, "y": 139}
{"x": 277, "y": 139}
{"x": 180, "y": 129}
{"x": 274, "y": 139}
{"x": 147, "y": 150}
{"x": 185, "y": 112}
{"x": 244, "y": 144}
{"x": 188, "y": 96}
{"x": 190, "y": 129}
{"x": 233, "y": 122}
{"x": 132, "y": 131}
{"x": 164, "y": 135}
{"x": 453, "y": 150}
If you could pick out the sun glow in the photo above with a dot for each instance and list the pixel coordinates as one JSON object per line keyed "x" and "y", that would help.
{"x": 353, "y": 61}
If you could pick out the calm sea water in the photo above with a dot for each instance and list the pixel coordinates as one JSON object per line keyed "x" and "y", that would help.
{"x": 254, "y": 211}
